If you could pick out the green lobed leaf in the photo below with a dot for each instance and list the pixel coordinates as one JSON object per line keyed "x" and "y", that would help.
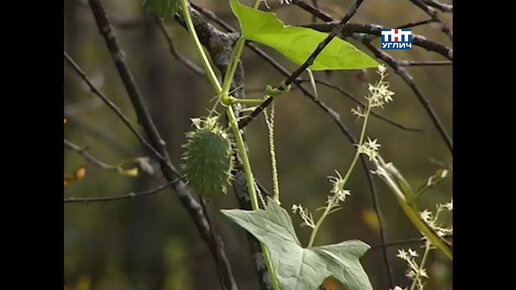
{"x": 298, "y": 43}
{"x": 301, "y": 268}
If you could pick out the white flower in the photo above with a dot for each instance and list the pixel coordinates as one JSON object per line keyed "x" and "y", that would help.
{"x": 381, "y": 71}
{"x": 403, "y": 255}
{"x": 449, "y": 205}
{"x": 357, "y": 112}
{"x": 422, "y": 272}
{"x": 372, "y": 144}
{"x": 426, "y": 215}
{"x": 412, "y": 253}
{"x": 295, "y": 208}
{"x": 370, "y": 148}
{"x": 341, "y": 195}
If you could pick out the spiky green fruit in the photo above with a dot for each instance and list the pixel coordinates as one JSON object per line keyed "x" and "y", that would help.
{"x": 162, "y": 8}
{"x": 208, "y": 159}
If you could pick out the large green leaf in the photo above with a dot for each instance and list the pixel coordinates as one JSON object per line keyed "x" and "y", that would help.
{"x": 299, "y": 268}
{"x": 298, "y": 43}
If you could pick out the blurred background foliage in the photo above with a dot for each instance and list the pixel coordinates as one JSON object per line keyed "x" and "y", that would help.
{"x": 151, "y": 242}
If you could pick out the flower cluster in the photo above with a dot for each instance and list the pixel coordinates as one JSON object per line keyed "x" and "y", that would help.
{"x": 379, "y": 93}
{"x": 431, "y": 219}
{"x": 414, "y": 272}
{"x": 307, "y": 217}
{"x": 338, "y": 192}
{"x": 370, "y": 148}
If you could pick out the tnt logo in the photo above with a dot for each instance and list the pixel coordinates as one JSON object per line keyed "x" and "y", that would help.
{"x": 396, "y": 38}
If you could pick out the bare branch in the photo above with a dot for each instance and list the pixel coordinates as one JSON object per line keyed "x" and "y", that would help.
{"x": 373, "y": 30}
{"x": 188, "y": 63}
{"x": 100, "y": 134}
{"x": 441, "y": 6}
{"x": 432, "y": 13}
{"x": 403, "y": 242}
{"x": 130, "y": 195}
{"x": 414, "y": 24}
{"x": 362, "y": 104}
{"x": 110, "y": 104}
{"x": 314, "y": 10}
{"x": 424, "y": 63}
{"x": 84, "y": 153}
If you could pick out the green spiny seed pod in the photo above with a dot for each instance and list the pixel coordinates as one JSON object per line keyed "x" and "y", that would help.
{"x": 162, "y": 8}
{"x": 208, "y": 159}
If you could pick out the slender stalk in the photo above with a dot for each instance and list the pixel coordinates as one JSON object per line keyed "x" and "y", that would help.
{"x": 269, "y": 120}
{"x": 130, "y": 195}
{"x": 243, "y": 155}
{"x": 235, "y": 57}
{"x": 233, "y": 64}
{"x": 360, "y": 141}
{"x": 421, "y": 265}
{"x": 212, "y": 77}
{"x": 317, "y": 226}
{"x": 348, "y": 173}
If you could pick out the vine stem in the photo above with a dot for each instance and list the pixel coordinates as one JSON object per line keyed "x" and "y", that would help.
{"x": 212, "y": 77}
{"x": 421, "y": 265}
{"x": 223, "y": 91}
{"x": 269, "y": 121}
{"x": 345, "y": 179}
{"x": 235, "y": 57}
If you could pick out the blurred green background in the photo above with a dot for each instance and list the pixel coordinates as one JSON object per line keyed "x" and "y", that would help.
{"x": 151, "y": 242}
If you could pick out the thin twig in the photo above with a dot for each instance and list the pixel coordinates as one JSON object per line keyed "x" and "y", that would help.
{"x": 130, "y": 195}
{"x": 116, "y": 144}
{"x": 403, "y": 242}
{"x": 356, "y": 100}
{"x": 110, "y": 104}
{"x": 314, "y": 10}
{"x": 441, "y": 6}
{"x": 316, "y": 4}
{"x": 220, "y": 275}
{"x": 414, "y": 24}
{"x": 432, "y": 13}
{"x": 425, "y": 63}
{"x": 188, "y": 63}
{"x": 84, "y": 153}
